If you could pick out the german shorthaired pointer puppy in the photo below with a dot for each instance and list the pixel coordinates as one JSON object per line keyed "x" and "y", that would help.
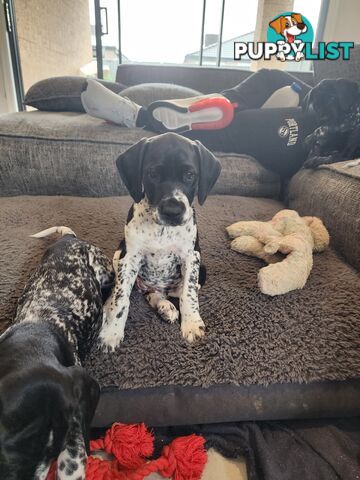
{"x": 160, "y": 252}
{"x": 47, "y": 400}
{"x": 336, "y": 104}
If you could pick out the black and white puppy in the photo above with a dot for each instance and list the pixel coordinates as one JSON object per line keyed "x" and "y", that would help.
{"x": 47, "y": 400}
{"x": 160, "y": 251}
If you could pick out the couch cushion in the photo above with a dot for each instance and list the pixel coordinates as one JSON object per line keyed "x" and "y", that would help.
{"x": 204, "y": 79}
{"x": 146, "y": 93}
{"x": 48, "y": 153}
{"x": 294, "y": 355}
{"x": 62, "y": 93}
{"x": 332, "y": 192}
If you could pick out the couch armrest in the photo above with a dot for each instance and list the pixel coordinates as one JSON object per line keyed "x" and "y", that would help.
{"x": 332, "y": 192}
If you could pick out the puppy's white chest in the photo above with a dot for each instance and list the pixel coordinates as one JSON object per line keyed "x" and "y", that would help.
{"x": 151, "y": 239}
{"x": 162, "y": 249}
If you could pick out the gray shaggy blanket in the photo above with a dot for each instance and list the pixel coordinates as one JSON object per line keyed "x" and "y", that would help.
{"x": 304, "y": 336}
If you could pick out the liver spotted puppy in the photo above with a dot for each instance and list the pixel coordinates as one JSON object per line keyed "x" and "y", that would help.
{"x": 160, "y": 251}
{"x": 47, "y": 400}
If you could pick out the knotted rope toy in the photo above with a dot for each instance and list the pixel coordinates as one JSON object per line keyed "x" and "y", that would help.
{"x": 130, "y": 445}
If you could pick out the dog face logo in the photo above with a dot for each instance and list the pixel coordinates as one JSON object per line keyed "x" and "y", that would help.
{"x": 289, "y": 26}
{"x": 290, "y": 36}
{"x": 287, "y": 29}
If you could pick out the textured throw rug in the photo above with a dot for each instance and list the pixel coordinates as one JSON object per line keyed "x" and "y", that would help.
{"x": 306, "y": 335}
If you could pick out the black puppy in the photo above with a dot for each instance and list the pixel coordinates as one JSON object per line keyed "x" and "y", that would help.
{"x": 47, "y": 400}
{"x": 160, "y": 251}
{"x": 336, "y": 104}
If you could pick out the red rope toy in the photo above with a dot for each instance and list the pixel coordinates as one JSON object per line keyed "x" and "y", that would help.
{"x": 183, "y": 459}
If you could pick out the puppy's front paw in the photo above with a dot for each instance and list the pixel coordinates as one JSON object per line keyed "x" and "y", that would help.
{"x": 110, "y": 338}
{"x": 167, "y": 311}
{"x": 112, "y": 330}
{"x": 192, "y": 328}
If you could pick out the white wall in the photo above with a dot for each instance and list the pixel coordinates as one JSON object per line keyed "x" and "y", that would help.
{"x": 7, "y": 88}
{"x": 343, "y": 21}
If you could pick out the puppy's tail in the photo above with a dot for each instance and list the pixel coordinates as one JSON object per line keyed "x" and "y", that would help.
{"x": 49, "y": 231}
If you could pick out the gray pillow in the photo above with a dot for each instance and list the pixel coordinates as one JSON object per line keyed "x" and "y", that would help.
{"x": 62, "y": 93}
{"x": 146, "y": 93}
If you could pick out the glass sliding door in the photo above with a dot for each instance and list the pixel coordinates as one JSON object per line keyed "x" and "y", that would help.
{"x": 12, "y": 90}
{"x": 105, "y": 39}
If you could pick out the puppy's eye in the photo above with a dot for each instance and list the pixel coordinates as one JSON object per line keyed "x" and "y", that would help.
{"x": 153, "y": 174}
{"x": 287, "y": 24}
{"x": 189, "y": 177}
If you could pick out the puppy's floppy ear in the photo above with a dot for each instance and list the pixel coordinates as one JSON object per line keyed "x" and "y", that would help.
{"x": 86, "y": 393}
{"x": 297, "y": 17}
{"x": 209, "y": 170}
{"x": 130, "y": 166}
{"x": 347, "y": 92}
{"x": 276, "y": 25}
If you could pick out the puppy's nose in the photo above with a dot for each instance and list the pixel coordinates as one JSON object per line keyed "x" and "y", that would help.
{"x": 301, "y": 26}
{"x": 172, "y": 208}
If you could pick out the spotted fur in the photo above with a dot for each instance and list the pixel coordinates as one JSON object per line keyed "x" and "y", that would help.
{"x": 66, "y": 290}
{"x": 72, "y": 459}
{"x": 58, "y": 318}
{"x": 163, "y": 261}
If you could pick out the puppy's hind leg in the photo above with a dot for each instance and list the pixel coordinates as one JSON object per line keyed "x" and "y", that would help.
{"x": 163, "y": 306}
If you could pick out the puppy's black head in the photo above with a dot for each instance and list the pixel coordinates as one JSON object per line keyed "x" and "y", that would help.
{"x": 331, "y": 100}
{"x": 37, "y": 409}
{"x": 169, "y": 170}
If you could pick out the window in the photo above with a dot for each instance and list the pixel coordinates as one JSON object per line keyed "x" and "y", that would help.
{"x": 225, "y": 23}
{"x": 190, "y": 32}
{"x": 311, "y": 10}
{"x": 160, "y": 31}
